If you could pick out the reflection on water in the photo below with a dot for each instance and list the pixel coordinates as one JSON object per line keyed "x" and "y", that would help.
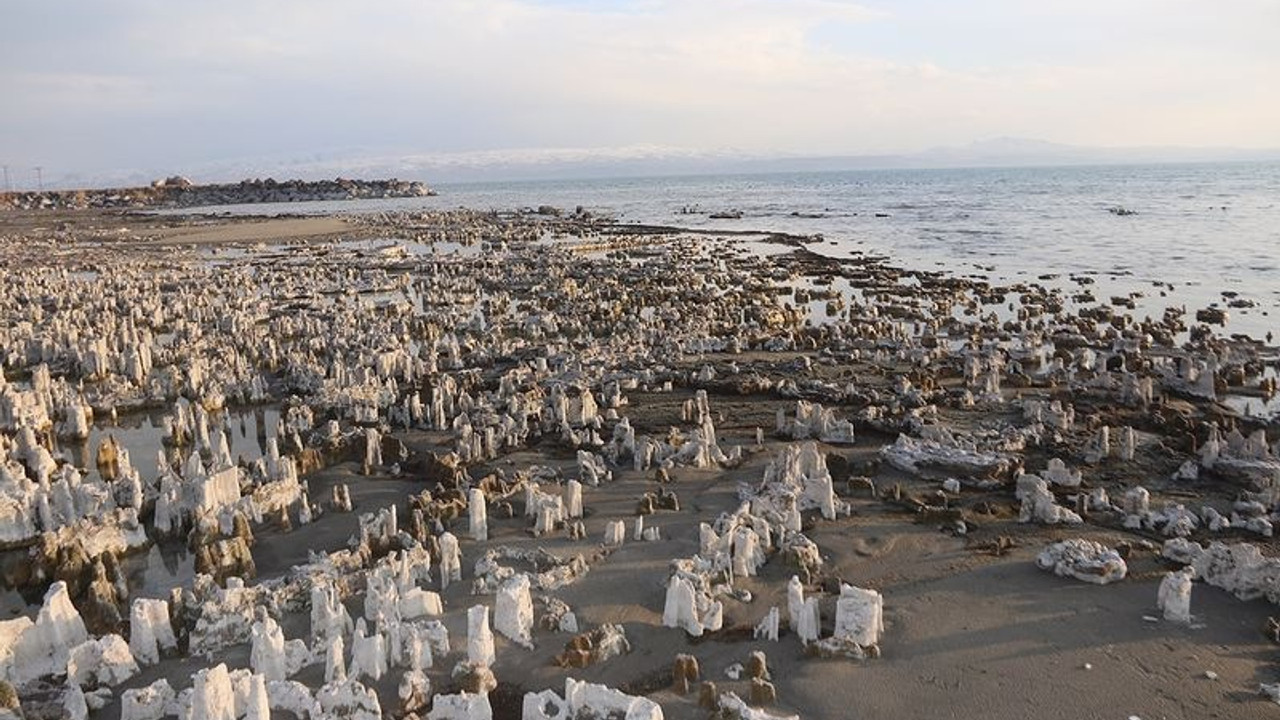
{"x": 150, "y": 574}
{"x": 167, "y": 565}
{"x": 236, "y": 254}
{"x": 247, "y": 430}
{"x": 158, "y": 571}
{"x": 85, "y": 276}
{"x": 1255, "y": 405}
{"x": 393, "y": 247}
{"x": 12, "y": 604}
{"x": 815, "y": 308}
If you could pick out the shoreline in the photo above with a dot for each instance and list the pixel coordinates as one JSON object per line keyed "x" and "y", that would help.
{"x": 179, "y": 192}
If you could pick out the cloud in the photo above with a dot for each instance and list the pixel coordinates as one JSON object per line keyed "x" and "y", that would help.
{"x": 146, "y": 82}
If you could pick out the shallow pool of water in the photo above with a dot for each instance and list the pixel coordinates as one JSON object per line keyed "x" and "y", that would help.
{"x": 247, "y": 430}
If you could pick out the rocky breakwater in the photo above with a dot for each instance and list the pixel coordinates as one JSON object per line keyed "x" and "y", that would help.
{"x": 181, "y": 193}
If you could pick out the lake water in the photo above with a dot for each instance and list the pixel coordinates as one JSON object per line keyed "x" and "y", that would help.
{"x": 247, "y": 430}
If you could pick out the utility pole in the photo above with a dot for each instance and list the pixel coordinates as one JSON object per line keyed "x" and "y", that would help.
{"x": 7, "y": 187}
{"x": 40, "y": 178}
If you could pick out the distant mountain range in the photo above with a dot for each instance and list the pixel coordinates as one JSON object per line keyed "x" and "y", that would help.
{"x": 650, "y": 160}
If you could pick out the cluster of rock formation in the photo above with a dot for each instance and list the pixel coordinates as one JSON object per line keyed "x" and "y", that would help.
{"x": 527, "y": 376}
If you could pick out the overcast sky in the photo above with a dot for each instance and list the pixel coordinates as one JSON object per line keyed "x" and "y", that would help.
{"x": 89, "y": 86}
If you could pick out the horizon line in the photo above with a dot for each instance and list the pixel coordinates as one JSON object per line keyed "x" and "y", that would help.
{"x": 643, "y": 174}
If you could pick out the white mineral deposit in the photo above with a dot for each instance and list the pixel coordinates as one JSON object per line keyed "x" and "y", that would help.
{"x": 236, "y": 450}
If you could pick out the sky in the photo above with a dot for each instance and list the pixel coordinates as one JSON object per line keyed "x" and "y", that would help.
{"x": 93, "y": 86}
